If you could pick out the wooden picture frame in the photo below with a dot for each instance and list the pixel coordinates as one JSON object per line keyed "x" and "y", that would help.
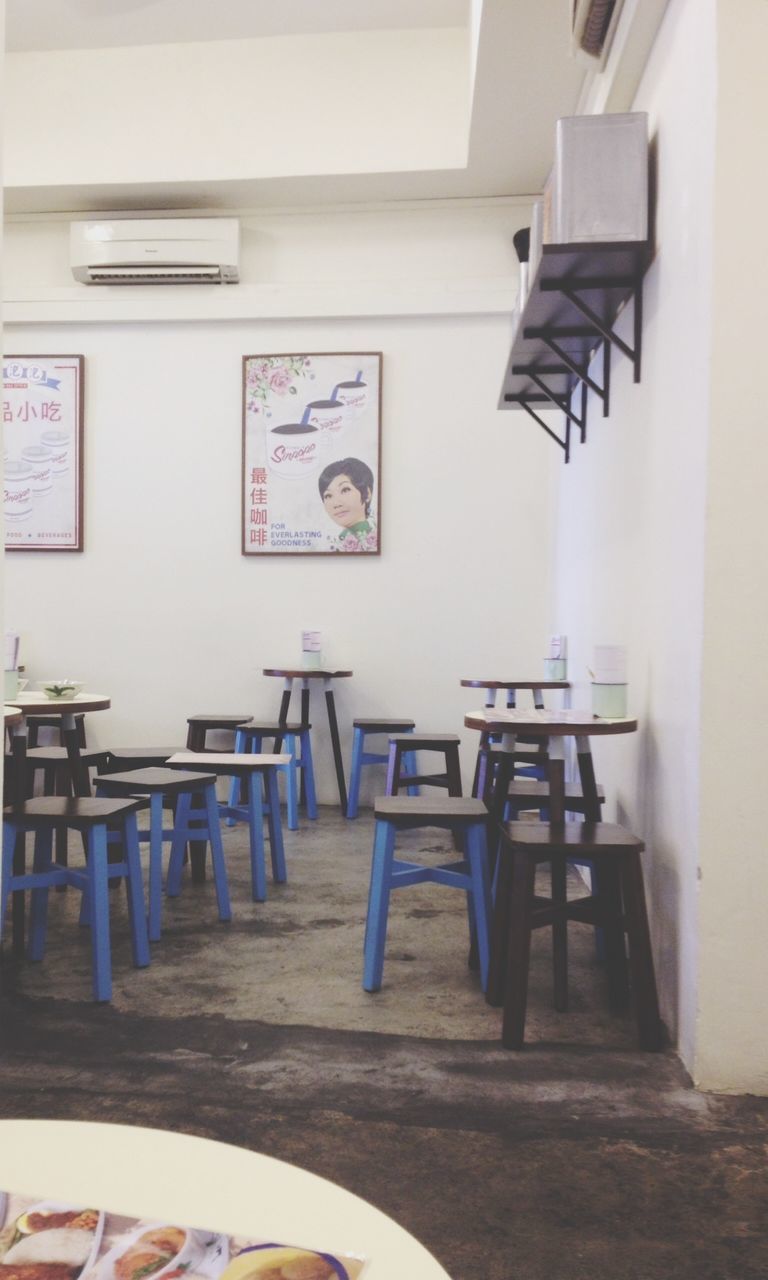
{"x": 43, "y": 442}
{"x": 311, "y": 479}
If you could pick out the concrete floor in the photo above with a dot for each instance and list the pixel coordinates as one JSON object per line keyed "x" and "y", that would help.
{"x": 577, "y": 1158}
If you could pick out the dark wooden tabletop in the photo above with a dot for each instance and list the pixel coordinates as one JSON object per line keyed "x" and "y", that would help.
{"x": 537, "y": 723}
{"x": 299, "y": 673}
{"x": 515, "y": 684}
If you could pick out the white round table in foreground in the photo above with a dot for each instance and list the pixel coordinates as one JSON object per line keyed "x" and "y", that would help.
{"x": 150, "y": 1173}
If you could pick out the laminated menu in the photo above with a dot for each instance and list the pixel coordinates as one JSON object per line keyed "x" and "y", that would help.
{"x": 53, "y": 1240}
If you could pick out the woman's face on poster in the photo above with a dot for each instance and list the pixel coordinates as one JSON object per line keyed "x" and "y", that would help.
{"x": 344, "y": 503}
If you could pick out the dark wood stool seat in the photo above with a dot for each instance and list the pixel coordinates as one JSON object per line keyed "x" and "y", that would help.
{"x": 199, "y": 726}
{"x": 616, "y": 904}
{"x": 171, "y": 782}
{"x": 272, "y": 728}
{"x": 79, "y": 812}
{"x": 383, "y": 726}
{"x": 120, "y": 758}
{"x": 422, "y": 811}
{"x": 402, "y": 744}
{"x": 530, "y": 794}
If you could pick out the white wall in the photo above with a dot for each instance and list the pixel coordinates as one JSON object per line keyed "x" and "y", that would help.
{"x": 732, "y": 1048}
{"x": 630, "y": 543}
{"x": 163, "y": 613}
{"x": 165, "y": 113}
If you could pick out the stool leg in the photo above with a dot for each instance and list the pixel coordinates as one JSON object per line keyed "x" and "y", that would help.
{"x": 235, "y": 796}
{"x": 378, "y": 905}
{"x": 355, "y": 772}
{"x": 393, "y": 769}
{"x": 178, "y": 841}
{"x": 155, "y": 865}
{"x": 137, "y": 909}
{"x": 217, "y": 853}
{"x": 558, "y": 875}
{"x": 9, "y": 846}
{"x": 274, "y": 826}
{"x": 256, "y": 836}
{"x": 606, "y": 880}
{"x": 649, "y": 1027}
{"x": 38, "y": 914}
{"x": 453, "y": 770}
{"x": 477, "y": 857}
{"x": 411, "y": 765}
{"x": 308, "y": 774}
{"x": 291, "y": 785}
{"x": 99, "y": 908}
{"x": 519, "y": 950}
{"x": 502, "y": 889}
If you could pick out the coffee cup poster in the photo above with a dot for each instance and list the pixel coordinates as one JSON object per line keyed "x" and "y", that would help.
{"x": 43, "y": 452}
{"x": 311, "y": 454}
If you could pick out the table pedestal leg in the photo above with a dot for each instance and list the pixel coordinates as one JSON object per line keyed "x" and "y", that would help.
{"x": 304, "y": 720}
{"x": 18, "y": 795}
{"x": 558, "y": 875}
{"x": 334, "y": 728}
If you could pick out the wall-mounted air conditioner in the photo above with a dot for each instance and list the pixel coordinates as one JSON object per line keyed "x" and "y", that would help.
{"x": 155, "y": 251}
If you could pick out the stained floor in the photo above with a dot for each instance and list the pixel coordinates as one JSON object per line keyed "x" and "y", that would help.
{"x": 579, "y": 1157}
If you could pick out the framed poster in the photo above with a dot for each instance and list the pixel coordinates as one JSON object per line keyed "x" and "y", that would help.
{"x": 312, "y": 454}
{"x": 43, "y": 443}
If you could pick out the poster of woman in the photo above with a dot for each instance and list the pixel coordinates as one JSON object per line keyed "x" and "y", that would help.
{"x": 312, "y": 454}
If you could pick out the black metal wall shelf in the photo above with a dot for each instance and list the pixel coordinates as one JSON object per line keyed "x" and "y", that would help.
{"x": 569, "y": 315}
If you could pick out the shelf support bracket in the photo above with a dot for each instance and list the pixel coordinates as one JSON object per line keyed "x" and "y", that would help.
{"x": 579, "y": 370}
{"x": 560, "y": 402}
{"x": 565, "y": 444}
{"x": 570, "y": 292}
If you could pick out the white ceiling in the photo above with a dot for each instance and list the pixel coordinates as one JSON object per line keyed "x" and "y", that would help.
{"x": 525, "y": 78}
{"x": 97, "y": 24}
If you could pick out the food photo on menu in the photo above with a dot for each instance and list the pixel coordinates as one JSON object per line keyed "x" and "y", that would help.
{"x": 51, "y": 1240}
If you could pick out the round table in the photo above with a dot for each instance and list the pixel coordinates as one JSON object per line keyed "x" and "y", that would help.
{"x": 195, "y": 1182}
{"x": 289, "y": 674}
{"x": 12, "y": 716}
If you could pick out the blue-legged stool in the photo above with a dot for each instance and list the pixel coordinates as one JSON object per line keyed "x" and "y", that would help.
{"x": 360, "y": 757}
{"x": 467, "y": 819}
{"x": 293, "y": 740}
{"x": 165, "y": 789}
{"x": 257, "y": 773}
{"x": 91, "y": 817}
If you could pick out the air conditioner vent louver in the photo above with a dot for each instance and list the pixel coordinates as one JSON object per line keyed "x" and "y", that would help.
{"x": 593, "y": 25}
{"x": 156, "y": 275}
{"x": 156, "y": 251}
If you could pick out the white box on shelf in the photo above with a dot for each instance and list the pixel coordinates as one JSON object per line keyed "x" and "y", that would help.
{"x": 598, "y": 189}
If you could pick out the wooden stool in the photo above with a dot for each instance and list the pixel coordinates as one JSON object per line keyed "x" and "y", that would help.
{"x": 517, "y": 764}
{"x": 617, "y": 903}
{"x": 360, "y": 757}
{"x": 467, "y": 820}
{"x": 91, "y": 817}
{"x": 403, "y": 744}
{"x": 530, "y": 794}
{"x": 164, "y": 788}
{"x": 35, "y": 723}
{"x": 256, "y": 771}
{"x": 54, "y": 763}
{"x": 201, "y": 725}
{"x": 250, "y": 737}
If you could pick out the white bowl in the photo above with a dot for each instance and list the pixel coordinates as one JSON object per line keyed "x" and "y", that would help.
{"x": 60, "y": 690}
